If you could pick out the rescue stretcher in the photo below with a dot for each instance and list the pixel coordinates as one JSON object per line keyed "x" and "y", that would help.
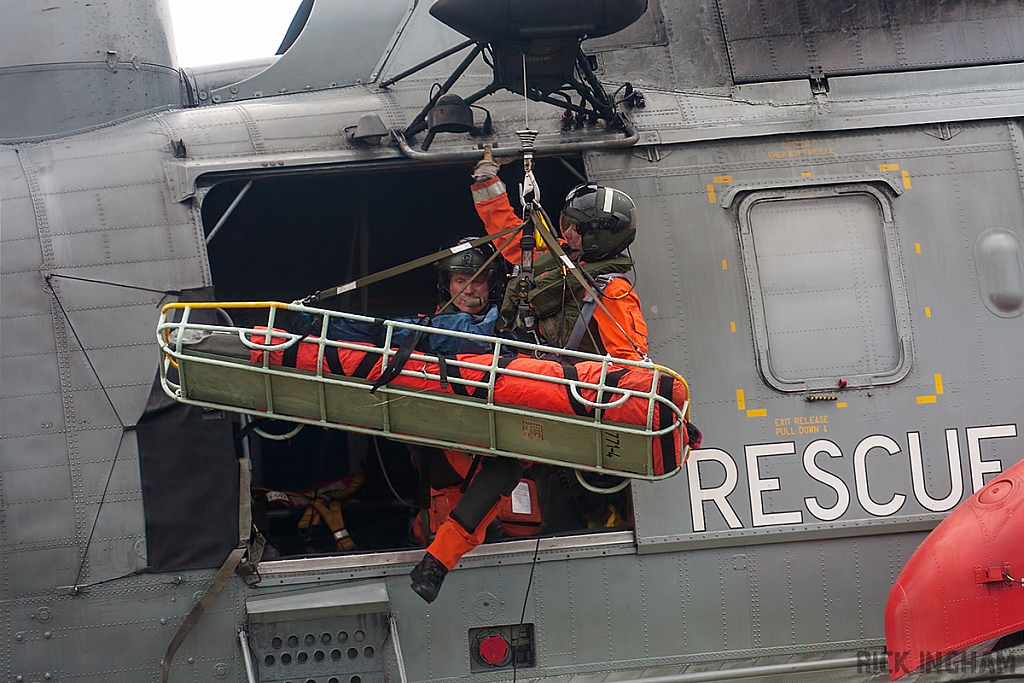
{"x": 598, "y": 414}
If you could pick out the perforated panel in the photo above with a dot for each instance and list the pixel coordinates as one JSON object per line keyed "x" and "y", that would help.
{"x": 343, "y": 649}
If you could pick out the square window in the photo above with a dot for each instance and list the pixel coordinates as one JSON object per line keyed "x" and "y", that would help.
{"x": 824, "y": 282}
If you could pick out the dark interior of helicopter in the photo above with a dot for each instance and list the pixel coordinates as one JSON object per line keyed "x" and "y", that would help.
{"x": 293, "y": 235}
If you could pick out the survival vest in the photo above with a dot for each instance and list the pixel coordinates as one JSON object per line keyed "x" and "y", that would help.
{"x": 557, "y": 299}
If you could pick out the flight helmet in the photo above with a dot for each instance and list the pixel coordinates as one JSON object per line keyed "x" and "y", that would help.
{"x": 468, "y": 260}
{"x": 604, "y": 217}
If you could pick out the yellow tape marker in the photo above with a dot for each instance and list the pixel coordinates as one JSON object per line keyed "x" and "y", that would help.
{"x": 740, "y": 401}
{"x": 938, "y": 383}
{"x": 722, "y": 179}
{"x": 927, "y": 311}
{"x": 889, "y": 167}
{"x": 917, "y": 247}
{"x": 760, "y": 412}
{"x": 711, "y": 194}
{"x": 926, "y": 399}
{"x": 732, "y": 327}
{"x": 906, "y": 180}
{"x": 805, "y": 174}
{"x": 725, "y": 265}
{"x": 841, "y": 405}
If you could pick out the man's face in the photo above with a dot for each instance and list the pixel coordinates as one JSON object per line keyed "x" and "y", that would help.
{"x": 473, "y": 298}
{"x": 572, "y": 239}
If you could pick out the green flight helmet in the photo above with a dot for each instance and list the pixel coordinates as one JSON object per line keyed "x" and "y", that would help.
{"x": 604, "y": 217}
{"x": 468, "y": 260}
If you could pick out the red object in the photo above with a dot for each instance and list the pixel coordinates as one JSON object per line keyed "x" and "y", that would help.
{"x": 514, "y": 390}
{"x": 494, "y": 649}
{"x": 961, "y": 588}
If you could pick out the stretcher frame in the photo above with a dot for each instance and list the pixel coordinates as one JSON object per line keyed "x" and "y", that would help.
{"x": 321, "y": 399}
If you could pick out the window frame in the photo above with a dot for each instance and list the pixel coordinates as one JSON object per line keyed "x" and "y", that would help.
{"x": 890, "y": 244}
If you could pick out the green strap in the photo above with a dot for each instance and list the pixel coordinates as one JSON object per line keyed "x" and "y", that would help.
{"x": 330, "y": 292}
{"x": 209, "y": 595}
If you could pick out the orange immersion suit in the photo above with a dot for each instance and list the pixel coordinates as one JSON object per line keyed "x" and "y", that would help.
{"x": 497, "y": 477}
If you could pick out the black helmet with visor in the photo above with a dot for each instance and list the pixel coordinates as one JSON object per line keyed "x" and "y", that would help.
{"x": 604, "y": 217}
{"x": 468, "y": 260}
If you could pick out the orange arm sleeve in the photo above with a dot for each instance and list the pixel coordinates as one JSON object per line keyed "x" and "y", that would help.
{"x": 493, "y": 207}
{"x": 622, "y": 302}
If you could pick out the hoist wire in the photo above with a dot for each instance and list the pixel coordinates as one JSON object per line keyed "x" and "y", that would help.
{"x": 526, "y": 98}
{"x": 387, "y": 479}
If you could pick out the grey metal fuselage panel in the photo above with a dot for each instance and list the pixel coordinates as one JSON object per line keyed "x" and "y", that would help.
{"x": 736, "y": 561}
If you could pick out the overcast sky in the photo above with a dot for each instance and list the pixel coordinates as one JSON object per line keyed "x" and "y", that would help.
{"x": 215, "y": 31}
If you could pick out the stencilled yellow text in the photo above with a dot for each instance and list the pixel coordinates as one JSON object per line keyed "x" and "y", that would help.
{"x": 801, "y": 424}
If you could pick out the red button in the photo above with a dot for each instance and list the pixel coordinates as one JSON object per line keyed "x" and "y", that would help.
{"x": 494, "y": 649}
{"x": 996, "y": 491}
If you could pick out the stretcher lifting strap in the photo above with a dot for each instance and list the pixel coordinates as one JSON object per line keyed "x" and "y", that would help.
{"x": 209, "y": 595}
{"x": 330, "y": 292}
{"x": 665, "y": 420}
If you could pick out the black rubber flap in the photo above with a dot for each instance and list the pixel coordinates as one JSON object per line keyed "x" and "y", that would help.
{"x": 189, "y": 472}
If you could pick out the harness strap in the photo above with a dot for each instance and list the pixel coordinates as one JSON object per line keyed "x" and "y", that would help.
{"x": 587, "y": 311}
{"x": 611, "y": 381}
{"x": 665, "y": 417}
{"x": 442, "y": 370}
{"x": 582, "y": 322}
{"x": 365, "y": 367}
{"x": 398, "y": 361}
{"x": 290, "y": 356}
{"x": 462, "y": 389}
{"x": 333, "y": 362}
{"x": 471, "y": 472}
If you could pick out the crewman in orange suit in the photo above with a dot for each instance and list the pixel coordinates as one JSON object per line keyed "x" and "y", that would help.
{"x": 597, "y": 224}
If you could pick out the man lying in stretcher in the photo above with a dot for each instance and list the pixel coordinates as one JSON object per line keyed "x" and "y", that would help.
{"x": 597, "y": 224}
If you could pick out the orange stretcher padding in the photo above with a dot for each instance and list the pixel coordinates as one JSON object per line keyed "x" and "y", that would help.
{"x": 510, "y": 390}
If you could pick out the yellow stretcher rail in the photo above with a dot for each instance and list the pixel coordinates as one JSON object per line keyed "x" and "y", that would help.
{"x": 208, "y": 364}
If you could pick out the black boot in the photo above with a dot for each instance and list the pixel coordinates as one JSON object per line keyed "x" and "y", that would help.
{"x": 427, "y": 577}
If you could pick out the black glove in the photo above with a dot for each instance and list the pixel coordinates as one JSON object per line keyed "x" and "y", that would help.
{"x": 693, "y": 435}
